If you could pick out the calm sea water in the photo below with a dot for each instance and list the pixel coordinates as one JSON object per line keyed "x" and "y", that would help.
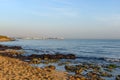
{"x": 81, "y": 48}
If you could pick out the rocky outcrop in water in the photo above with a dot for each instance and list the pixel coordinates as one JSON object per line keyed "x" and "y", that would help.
{"x": 52, "y": 56}
{"x": 2, "y": 47}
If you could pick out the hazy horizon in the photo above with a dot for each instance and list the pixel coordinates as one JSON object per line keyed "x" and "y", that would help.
{"x": 76, "y": 19}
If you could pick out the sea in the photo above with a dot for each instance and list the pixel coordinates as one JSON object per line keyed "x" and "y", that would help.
{"x": 100, "y": 51}
{"x": 86, "y": 48}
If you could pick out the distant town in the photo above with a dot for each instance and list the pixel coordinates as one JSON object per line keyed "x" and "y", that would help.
{"x": 39, "y": 38}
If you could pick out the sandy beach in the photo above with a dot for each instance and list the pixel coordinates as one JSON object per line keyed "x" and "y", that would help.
{"x": 15, "y": 69}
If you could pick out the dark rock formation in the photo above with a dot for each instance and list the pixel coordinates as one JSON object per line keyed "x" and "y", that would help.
{"x": 10, "y": 47}
{"x": 118, "y": 77}
{"x": 52, "y": 56}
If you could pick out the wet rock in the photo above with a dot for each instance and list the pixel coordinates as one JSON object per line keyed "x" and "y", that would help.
{"x": 79, "y": 71}
{"x": 118, "y": 77}
{"x": 76, "y": 77}
{"x": 71, "y": 78}
{"x": 112, "y": 60}
{"x": 35, "y": 61}
{"x": 108, "y": 70}
{"x": 10, "y": 47}
{"x": 94, "y": 76}
{"x": 53, "y": 60}
{"x": 111, "y": 66}
{"x": 51, "y": 67}
{"x": 53, "y": 56}
{"x": 105, "y": 74}
{"x": 70, "y": 56}
{"x": 63, "y": 63}
{"x": 70, "y": 68}
{"x": 50, "y": 61}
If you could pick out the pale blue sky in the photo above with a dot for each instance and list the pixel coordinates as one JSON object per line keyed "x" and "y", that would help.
{"x": 62, "y": 18}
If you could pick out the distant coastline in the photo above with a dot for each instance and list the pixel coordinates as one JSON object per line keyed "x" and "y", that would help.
{"x": 39, "y": 38}
{"x": 5, "y": 38}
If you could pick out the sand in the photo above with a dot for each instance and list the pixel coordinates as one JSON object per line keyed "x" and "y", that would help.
{"x": 15, "y": 69}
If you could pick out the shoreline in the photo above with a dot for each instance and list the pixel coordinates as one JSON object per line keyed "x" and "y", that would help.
{"x": 14, "y": 69}
{"x": 13, "y": 54}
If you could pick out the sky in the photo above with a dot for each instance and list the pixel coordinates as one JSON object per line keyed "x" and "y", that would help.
{"x": 77, "y": 19}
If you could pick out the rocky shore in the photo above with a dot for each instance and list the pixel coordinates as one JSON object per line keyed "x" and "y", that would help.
{"x": 15, "y": 66}
{"x": 12, "y": 68}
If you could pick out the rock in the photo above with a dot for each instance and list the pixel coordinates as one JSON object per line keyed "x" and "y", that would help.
{"x": 53, "y": 60}
{"x": 94, "y": 76}
{"x": 35, "y": 61}
{"x": 79, "y": 71}
{"x": 112, "y": 60}
{"x": 53, "y": 56}
{"x": 10, "y": 47}
{"x": 76, "y": 77}
{"x": 112, "y": 66}
{"x": 70, "y": 68}
{"x": 63, "y": 63}
{"x": 118, "y": 77}
{"x": 105, "y": 74}
{"x": 51, "y": 67}
{"x": 70, "y": 56}
{"x": 108, "y": 70}
{"x": 71, "y": 78}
